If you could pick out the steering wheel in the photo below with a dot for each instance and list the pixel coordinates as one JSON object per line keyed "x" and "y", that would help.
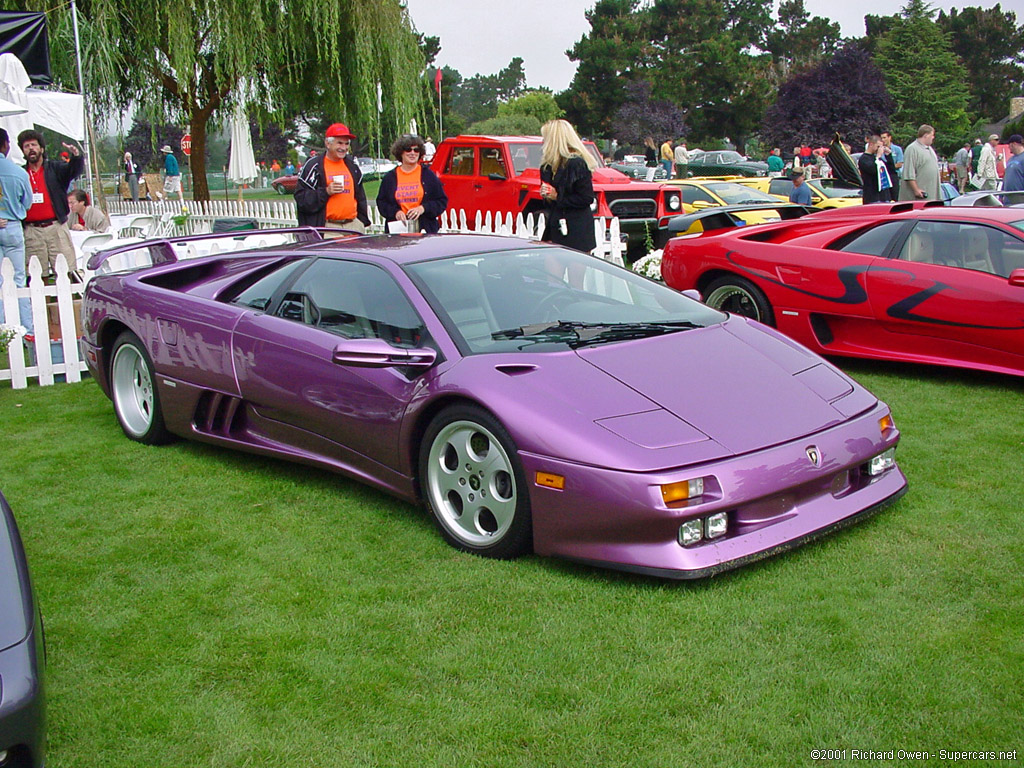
{"x": 551, "y": 304}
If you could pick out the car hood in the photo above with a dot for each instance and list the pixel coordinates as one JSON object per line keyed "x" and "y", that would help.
{"x": 741, "y": 385}
{"x": 662, "y": 402}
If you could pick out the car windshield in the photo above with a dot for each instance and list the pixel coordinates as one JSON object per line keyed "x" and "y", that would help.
{"x": 829, "y": 188}
{"x": 546, "y": 298}
{"x": 738, "y": 194}
{"x": 525, "y": 156}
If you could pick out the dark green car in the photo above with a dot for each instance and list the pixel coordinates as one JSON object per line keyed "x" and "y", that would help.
{"x": 724, "y": 162}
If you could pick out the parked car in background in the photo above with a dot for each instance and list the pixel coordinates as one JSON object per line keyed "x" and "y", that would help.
{"x": 22, "y": 655}
{"x": 285, "y": 185}
{"x": 707, "y": 193}
{"x": 533, "y": 397}
{"x": 724, "y": 162}
{"x": 501, "y": 174}
{"x": 825, "y": 193}
{"x": 917, "y": 282}
{"x": 635, "y": 166}
{"x": 373, "y": 168}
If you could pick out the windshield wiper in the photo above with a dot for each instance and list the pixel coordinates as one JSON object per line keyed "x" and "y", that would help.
{"x": 592, "y": 333}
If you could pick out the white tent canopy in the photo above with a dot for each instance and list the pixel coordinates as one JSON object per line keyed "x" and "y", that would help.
{"x": 60, "y": 112}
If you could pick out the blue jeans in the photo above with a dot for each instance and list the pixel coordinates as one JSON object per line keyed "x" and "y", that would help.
{"x": 12, "y": 246}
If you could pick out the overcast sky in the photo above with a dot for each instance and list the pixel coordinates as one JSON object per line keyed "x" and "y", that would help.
{"x": 482, "y": 36}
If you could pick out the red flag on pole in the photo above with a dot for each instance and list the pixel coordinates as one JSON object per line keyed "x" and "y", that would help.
{"x": 437, "y": 81}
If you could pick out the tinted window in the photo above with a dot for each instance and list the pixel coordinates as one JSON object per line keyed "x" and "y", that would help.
{"x": 258, "y": 294}
{"x": 692, "y": 194}
{"x": 780, "y": 187}
{"x": 353, "y": 300}
{"x": 492, "y": 162}
{"x": 461, "y": 161}
{"x": 874, "y": 241}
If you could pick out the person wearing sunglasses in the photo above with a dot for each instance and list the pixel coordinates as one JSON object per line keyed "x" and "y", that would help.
{"x": 411, "y": 192}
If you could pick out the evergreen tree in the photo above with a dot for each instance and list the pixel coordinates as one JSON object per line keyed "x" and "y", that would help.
{"x": 990, "y": 44}
{"x": 924, "y": 77}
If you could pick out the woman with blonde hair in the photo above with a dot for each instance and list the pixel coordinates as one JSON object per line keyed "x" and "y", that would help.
{"x": 567, "y": 186}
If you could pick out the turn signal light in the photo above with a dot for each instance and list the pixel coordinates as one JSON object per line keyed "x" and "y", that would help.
{"x": 548, "y": 480}
{"x": 681, "y": 491}
{"x": 886, "y": 424}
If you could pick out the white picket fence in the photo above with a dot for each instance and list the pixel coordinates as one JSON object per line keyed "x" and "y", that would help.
{"x": 271, "y": 214}
{"x": 53, "y": 306}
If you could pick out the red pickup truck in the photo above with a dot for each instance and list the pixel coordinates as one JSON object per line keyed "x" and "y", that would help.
{"x": 502, "y": 174}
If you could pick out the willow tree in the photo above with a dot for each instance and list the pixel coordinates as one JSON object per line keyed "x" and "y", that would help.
{"x": 193, "y": 60}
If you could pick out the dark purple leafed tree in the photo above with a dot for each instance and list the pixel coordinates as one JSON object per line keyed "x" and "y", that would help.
{"x": 846, "y": 94}
{"x": 640, "y": 117}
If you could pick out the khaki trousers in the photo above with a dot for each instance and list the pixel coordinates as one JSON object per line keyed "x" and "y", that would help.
{"x": 45, "y": 243}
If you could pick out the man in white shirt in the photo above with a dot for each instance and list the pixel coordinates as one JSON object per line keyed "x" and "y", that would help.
{"x": 987, "y": 163}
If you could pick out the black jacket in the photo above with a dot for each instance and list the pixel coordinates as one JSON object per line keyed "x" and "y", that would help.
{"x": 434, "y": 198}
{"x": 574, "y": 183}
{"x": 59, "y": 176}
{"x": 311, "y": 192}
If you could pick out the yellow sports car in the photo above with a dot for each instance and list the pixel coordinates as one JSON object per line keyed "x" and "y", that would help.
{"x": 699, "y": 194}
{"x": 825, "y": 193}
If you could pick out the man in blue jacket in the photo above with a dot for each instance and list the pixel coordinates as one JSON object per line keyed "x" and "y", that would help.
{"x": 15, "y": 199}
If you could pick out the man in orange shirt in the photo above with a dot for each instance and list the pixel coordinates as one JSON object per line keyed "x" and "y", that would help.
{"x": 329, "y": 192}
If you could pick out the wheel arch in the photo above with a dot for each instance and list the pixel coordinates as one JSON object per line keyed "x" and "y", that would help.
{"x": 419, "y": 429}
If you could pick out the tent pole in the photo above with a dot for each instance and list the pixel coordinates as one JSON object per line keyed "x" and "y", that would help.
{"x": 81, "y": 90}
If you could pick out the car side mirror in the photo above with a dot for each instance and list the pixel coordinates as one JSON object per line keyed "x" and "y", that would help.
{"x": 1017, "y": 278}
{"x": 377, "y": 353}
{"x": 701, "y": 204}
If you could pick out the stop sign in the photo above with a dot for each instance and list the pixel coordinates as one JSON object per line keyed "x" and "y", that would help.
{"x": 186, "y": 143}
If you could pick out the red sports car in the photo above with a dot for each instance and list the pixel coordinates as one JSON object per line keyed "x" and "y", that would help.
{"x": 922, "y": 283}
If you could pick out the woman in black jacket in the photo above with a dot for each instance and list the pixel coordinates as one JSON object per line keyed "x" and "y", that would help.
{"x": 567, "y": 185}
{"x": 411, "y": 192}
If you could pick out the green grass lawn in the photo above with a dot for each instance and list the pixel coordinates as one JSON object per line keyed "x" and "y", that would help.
{"x": 209, "y": 608}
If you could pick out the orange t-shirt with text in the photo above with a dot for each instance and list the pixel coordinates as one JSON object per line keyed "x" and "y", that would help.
{"x": 409, "y": 193}
{"x": 340, "y": 206}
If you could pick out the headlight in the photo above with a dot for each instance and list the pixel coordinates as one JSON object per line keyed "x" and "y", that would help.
{"x": 883, "y": 462}
{"x": 691, "y": 532}
{"x": 716, "y": 525}
{"x": 672, "y": 201}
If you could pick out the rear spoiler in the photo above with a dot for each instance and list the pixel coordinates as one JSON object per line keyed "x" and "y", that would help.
{"x": 989, "y": 199}
{"x": 162, "y": 251}
{"x": 726, "y": 216}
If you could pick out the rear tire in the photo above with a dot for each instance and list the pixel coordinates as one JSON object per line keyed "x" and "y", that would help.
{"x": 133, "y": 390}
{"x": 739, "y": 296}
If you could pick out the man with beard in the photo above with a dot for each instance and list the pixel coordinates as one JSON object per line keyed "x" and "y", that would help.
{"x": 45, "y": 234}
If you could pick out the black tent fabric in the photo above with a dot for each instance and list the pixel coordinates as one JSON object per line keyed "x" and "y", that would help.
{"x": 25, "y": 35}
{"x": 842, "y": 164}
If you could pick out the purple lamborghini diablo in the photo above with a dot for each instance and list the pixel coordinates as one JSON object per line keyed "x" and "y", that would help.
{"x": 534, "y": 398}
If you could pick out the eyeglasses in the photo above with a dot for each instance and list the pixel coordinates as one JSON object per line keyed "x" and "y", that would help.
{"x": 412, "y": 149}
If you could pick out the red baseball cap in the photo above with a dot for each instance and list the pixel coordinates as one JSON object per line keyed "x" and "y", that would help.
{"x": 339, "y": 131}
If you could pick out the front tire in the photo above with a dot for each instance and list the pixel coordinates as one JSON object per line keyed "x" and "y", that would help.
{"x": 473, "y": 484}
{"x": 133, "y": 390}
{"x": 740, "y": 297}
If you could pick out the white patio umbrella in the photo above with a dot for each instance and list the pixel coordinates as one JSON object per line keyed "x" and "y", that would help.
{"x": 14, "y": 81}
{"x": 242, "y": 163}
